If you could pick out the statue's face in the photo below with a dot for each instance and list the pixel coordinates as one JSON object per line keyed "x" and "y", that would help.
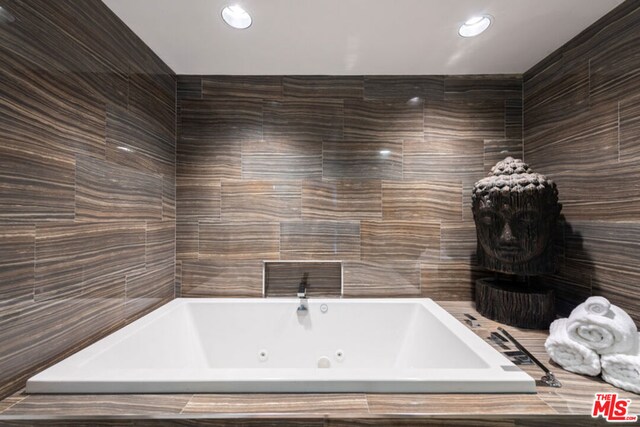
{"x": 513, "y": 232}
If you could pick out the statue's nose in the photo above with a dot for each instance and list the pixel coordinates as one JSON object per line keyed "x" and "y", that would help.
{"x": 507, "y": 235}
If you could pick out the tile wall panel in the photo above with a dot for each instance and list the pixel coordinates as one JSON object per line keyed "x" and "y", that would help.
{"x": 374, "y": 171}
{"x": 87, "y": 181}
{"x": 581, "y": 129}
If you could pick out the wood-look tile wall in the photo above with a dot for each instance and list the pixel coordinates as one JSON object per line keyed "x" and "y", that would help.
{"x": 374, "y": 171}
{"x": 87, "y": 180}
{"x": 582, "y": 128}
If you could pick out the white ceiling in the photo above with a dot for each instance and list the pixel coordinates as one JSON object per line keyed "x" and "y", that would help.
{"x": 356, "y": 36}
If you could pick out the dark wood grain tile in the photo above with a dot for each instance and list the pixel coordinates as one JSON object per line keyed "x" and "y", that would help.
{"x": 249, "y": 200}
{"x": 342, "y": 199}
{"x": 319, "y": 239}
{"x": 187, "y": 240}
{"x": 160, "y": 243}
{"x": 412, "y": 89}
{"x": 450, "y": 280}
{"x": 108, "y": 192}
{"x": 399, "y": 240}
{"x": 189, "y": 87}
{"x": 444, "y": 160}
{"x": 67, "y": 254}
{"x": 169, "y": 197}
{"x": 153, "y": 96}
{"x": 282, "y": 279}
{"x": 239, "y": 240}
{"x": 304, "y": 119}
{"x": 457, "y": 240}
{"x": 257, "y": 87}
{"x": 422, "y": 200}
{"x": 286, "y": 403}
{"x": 198, "y": 198}
{"x": 214, "y": 279}
{"x": 587, "y": 139}
{"x": 380, "y": 279}
{"x": 485, "y": 404}
{"x": 134, "y": 142}
{"x": 209, "y": 159}
{"x": 362, "y": 159}
{"x": 149, "y": 287}
{"x": 513, "y": 118}
{"x": 458, "y": 119}
{"x": 287, "y": 159}
{"x": 323, "y": 86}
{"x": 629, "y": 128}
{"x": 17, "y": 261}
{"x": 221, "y": 119}
{"x": 382, "y": 120}
{"x": 497, "y": 150}
{"x": 619, "y": 286}
{"x": 493, "y": 86}
{"x": 103, "y": 405}
{"x": 613, "y": 67}
{"x": 35, "y": 185}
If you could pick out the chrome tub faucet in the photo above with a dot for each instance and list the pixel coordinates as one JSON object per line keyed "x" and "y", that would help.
{"x": 302, "y": 292}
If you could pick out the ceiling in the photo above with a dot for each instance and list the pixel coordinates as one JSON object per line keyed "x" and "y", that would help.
{"x": 356, "y": 36}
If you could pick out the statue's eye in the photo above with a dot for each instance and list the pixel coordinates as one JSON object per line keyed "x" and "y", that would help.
{"x": 527, "y": 218}
{"x": 487, "y": 218}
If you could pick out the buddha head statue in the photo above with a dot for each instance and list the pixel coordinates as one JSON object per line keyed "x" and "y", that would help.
{"x": 515, "y": 211}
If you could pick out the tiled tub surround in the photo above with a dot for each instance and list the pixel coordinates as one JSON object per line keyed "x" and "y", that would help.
{"x": 248, "y": 345}
{"x": 372, "y": 171}
{"x": 582, "y": 128}
{"x": 87, "y": 180}
{"x": 567, "y": 406}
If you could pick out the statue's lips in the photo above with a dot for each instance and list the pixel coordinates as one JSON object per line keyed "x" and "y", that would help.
{"x": 509, "y": 250}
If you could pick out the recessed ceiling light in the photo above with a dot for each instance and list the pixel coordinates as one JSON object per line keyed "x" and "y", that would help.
{"x": 475, "y": 26}
{"x": 236, "y": 17}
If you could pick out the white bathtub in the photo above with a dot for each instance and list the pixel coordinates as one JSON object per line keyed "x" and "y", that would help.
{"x": 266, "y": 345}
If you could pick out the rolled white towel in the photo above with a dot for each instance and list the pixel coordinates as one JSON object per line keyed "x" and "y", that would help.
{"x": 603, "y": 327}
{"x": 622, "y": 370}
{"x": 569, "y": 354}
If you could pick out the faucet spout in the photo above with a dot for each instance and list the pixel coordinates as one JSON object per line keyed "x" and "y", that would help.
{"x": 302, "y": 293}
{"x": 302, "y": 287}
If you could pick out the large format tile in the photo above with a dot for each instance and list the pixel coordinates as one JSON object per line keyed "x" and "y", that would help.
{"x": 342, "y": 199}
{"x": 320, "y": 239}
{"x": 400, "y": 240}
{"x": 17, "y": 259}
{"x": 68, "y": 254}
{"x": 381, "y": 120}
{"x": 35, "y": 185}
{"x": 442, "y": 159}
{"x": 239, "y": 240}
{"x": 160, "y": 243}
{"x": 198, "y": 198}
{"x": 362, "y": 159}
{"x": 412, "y": 89}
{"x": 249, "y": 200}
{"x": 382, "y": 279}
{"x": 459, "y": 119}
{"x": 286, "y": 159}
{"x": 237, "y": 87}
{"x": 450, "y": 280}
{"x": 422, "y": 200}
{"x": 221, "y": 119}
{"x": 323, "y": 86}
{"x": 225, "y": 278}
{"x": 629, "y": 128}
{"x": 290, "y": 403}
{"x": 80, "y": 405}
{"x": 483, "y": 86}
{"x": 303, "y": 120}
{"x": 208, "y": 159}
{"x": 107, "y": 192}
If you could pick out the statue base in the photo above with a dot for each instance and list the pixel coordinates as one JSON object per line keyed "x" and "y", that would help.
{"x": 515, "y": 304}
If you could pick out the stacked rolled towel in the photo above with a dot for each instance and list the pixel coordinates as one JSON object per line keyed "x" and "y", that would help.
{"x": 622, "y": 370}
{"x": 569, "y": 354}
{"x": 603, "y": 327}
